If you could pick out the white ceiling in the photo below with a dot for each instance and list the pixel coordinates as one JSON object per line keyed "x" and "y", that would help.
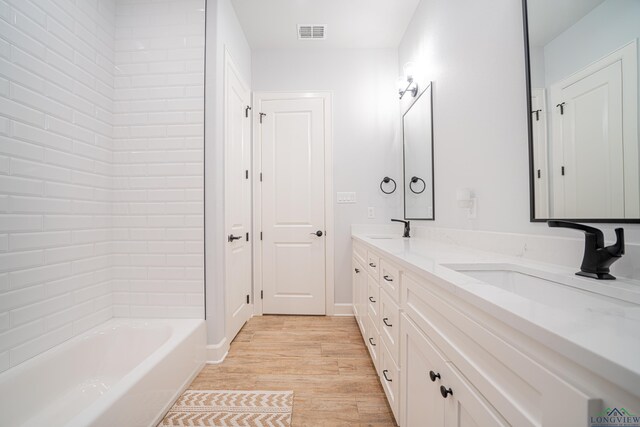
{"x": 549, "y": 18}
{"x": 350, "y": 23}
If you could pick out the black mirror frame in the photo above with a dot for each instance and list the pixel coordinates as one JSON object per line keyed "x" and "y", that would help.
{"x": 532, "y": 207}
{"x": 404, "y": 169}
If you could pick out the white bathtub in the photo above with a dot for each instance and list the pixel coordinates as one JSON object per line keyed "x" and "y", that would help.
{"x": 123, "y": 373}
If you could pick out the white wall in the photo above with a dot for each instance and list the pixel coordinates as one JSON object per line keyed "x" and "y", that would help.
{"x": 159, "y": 142}
{"x": 474, "y": 55}
{"x": 223, "y": 32}
{"x": 367, "y": 143}
{"x": 56, "y": 88}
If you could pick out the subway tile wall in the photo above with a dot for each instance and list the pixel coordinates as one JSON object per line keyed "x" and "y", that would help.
{"x": 56, "y": 167}
{"x": 101, "y": 157}
{"x": 158, "y": 142}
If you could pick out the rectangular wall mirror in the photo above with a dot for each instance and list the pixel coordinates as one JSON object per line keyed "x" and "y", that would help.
{"x": 582, "y": 76}
{"x": 418, "y": 158}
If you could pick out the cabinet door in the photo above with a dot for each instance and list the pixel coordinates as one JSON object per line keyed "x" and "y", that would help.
{"x": 420, "y": 401}
{"x": 464, "y": 406}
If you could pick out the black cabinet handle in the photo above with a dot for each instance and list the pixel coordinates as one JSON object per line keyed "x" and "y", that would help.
{"x": 384, "y": 374}
{"x": 357, "y": 270}
{"x": 445, "y": 391}
{"x": 385, "y": 322}
{"x": 434, "y": 376}
{"x": 372, "y": 265}
{"x": 371, "y": 299}
{"x": 371, "y": 342}
{"x": 387, "y": 278}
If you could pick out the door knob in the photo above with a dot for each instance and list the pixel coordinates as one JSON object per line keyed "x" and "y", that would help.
{"x": 317, "y": 233}
{"x": 231, "y": 238}
{"x": 445, "y": 391}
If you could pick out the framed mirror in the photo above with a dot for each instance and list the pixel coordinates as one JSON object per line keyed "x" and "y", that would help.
{"x": 417, "y": 132}
{"x": 582, "y": 84}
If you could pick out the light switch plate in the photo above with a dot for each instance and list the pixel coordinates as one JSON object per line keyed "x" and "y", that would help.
{"x": 346, "y": 197}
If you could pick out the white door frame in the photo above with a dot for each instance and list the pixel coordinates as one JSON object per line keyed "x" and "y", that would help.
{"x": 327, "y": 97}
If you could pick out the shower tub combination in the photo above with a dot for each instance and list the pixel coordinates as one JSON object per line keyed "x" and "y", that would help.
{"x": 125, "y": 372}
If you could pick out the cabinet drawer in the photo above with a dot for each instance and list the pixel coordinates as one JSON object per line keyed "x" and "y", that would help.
{"x": 373, "y": 265}
{"x": 360, "y": 252}
{"x": 524, "y": 392}
{"x": 373, "y": 301}
{"x": 390, "y": 379}
{"x": 372, "y": 341}
{"x": 390, "y": 325}
{"x": 390, "y": 279}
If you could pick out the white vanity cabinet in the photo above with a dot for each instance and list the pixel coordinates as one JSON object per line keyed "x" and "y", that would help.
{"x": 441, "y": 362}
{"x": 435, "y": 394}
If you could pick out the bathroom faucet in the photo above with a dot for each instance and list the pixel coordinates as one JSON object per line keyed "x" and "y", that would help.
{"x": 407, "y": 227}
{"x": 597, "y": 258}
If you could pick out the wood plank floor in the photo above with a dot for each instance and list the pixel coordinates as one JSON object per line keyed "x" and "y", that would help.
{"x": 322, "y": 359}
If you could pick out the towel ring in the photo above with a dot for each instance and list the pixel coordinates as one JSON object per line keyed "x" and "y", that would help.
{"x": 413, "y": 181}
{"x": 386, "y": 180}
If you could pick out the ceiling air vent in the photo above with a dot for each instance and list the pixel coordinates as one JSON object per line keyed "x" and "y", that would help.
{"x": 312, "y": 32}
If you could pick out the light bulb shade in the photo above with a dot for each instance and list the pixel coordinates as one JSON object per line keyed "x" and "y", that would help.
{"x": 409, "y": 70}
{"x": 401, "y": 83}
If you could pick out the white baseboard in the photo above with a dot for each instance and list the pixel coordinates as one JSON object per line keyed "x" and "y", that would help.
{"x": 343, "y": 309}
{"x": 217, "y": 352}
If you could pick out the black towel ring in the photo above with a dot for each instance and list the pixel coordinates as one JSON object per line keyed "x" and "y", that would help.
{"x": 413, "y": 181}
{"x": 386, "y": 180}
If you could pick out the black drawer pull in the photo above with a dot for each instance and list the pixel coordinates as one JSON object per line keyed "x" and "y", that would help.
{"x": 372, "y": 265}
{"x": 357, "y": 270}
{"x": 385, "y": 322}
{"x": 371, "y": 342}
{"x": 434, "y": 376}
{"x": 445, "y": 391}
{"x": 384, "y": 374}
{"x": 371, "y": 299}
{"x": 387, "y": 278}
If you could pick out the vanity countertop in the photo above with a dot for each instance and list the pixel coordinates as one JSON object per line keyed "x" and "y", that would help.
{"x": 605, "y": 340}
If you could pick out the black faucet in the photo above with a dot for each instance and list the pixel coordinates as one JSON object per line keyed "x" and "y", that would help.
{"x": 407, "y": 227}
{"x": 597, "y": 258}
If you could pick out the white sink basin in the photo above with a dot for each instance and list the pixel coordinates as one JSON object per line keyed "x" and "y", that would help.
{"x": 550, "y": 289}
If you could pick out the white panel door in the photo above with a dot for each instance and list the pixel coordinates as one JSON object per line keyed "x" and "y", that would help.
{"x": 237, "y": 129}
{"x": 540, "y": 156}
{"x": 293, "y": 205}
{"x": 592, "y": 146}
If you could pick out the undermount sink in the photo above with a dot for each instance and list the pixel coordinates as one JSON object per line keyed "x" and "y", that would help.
{"x": 550, "y": 289}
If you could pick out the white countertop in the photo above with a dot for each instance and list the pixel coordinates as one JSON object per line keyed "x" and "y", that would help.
{"x": 604, "y": 340}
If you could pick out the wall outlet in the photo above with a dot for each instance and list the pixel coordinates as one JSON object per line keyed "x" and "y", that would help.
{"x": 371, "y": 212}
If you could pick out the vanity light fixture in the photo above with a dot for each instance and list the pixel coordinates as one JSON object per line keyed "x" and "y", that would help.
{"x": 406, "y": 83}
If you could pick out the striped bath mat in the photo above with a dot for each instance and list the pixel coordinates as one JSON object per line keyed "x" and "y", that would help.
{"x": 222, "y": 408}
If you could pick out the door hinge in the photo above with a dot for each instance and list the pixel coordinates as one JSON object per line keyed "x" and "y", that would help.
{"x": 562, "y": 170}
{"x": 261, "y": 116}
{"x": 261, "y": 294}
{"x": 261, "y": 235}
{"x": 246, "y": 174}
{"x": 260, "y": 176}
{"x": 246, "y": 111}
{"x": 538, "y": 173}
{"x": 247, "y": 237}
{"x": 247, "y": 299}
